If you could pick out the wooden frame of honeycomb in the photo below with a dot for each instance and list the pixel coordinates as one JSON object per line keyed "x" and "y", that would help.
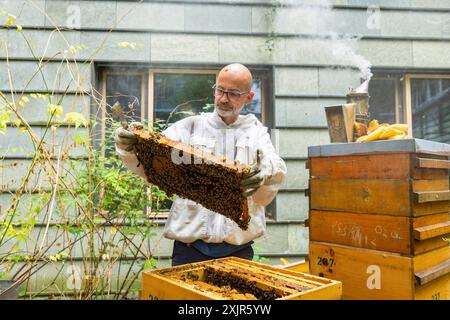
{"x": 235, "y": 279}
{"x": 195, "y": 175}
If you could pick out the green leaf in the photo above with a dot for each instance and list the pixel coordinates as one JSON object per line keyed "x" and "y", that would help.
{"x": 10, "y": 20}
{"x": 76, "y": 119}
{"x": 22, "y": 292}
{"x": 54, "y": 109}
{"x": 98, "y": 220}
{"x": 37, "y": 209}
{"x": 150, "y": 264}
{"x": 74, "y": 230}
{"x": 77, "y": 139}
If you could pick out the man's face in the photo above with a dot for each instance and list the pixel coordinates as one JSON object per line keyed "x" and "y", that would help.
{"x": 229, "y": 105}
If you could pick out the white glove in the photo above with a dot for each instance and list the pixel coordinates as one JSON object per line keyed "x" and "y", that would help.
{"x": 125, "y": 138}
{"x": 253, "y": 180}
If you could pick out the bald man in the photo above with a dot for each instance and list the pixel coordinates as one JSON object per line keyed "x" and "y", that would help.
{"x": 238, "y": 79}
{"x": 198, "y": 233}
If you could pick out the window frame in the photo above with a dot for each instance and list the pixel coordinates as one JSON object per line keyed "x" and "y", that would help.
{"x": 151, "y": 78}
{"x": 403, "y": 92}
{"x": 407, "y": 93}
{"x": 147, "y": 104}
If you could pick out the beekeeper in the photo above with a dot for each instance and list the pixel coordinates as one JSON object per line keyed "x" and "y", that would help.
{"x": 201, "y": 234}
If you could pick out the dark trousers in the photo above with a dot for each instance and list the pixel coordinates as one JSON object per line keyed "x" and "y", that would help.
{"x": 185, "y": 253}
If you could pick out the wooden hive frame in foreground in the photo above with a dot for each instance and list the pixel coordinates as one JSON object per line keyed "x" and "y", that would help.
{"x": 234, "y": 278}
{"x": 181, "y": 169}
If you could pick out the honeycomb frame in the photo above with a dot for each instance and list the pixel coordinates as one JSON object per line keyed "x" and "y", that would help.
{"x": 181, "y": 169}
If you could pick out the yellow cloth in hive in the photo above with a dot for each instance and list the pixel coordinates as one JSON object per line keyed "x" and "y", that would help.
{"x": 385, "y": 131}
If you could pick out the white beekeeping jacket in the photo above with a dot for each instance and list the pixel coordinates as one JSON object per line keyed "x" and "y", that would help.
{"x": 189, "y": 221}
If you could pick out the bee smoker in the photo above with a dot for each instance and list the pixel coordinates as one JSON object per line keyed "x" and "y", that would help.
{"x": 360, "y": 100}
{"x": 347, "y": 122}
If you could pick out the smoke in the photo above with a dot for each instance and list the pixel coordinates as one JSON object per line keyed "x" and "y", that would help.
{"x": 318, "y": 19}
{"x": 344, "y": 50}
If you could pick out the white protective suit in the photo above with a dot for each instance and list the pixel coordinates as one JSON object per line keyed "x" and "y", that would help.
{"x": 189, "y": 221}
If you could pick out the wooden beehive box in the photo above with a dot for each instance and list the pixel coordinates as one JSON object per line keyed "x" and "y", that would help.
{"x": 235, "y": 279}
{"x": 381, "y": 204}
{"x": 380, "y": 275}
{"x": 181, "y": 169}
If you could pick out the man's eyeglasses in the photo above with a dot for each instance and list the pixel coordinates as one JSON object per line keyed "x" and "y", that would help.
{"x": 232, "y": 94}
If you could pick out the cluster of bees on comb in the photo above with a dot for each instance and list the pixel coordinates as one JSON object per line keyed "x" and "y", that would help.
{"x": 181, "y": 169}
{"x": 234, "y": 280}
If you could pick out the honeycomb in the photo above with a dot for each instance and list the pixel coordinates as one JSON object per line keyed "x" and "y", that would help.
{"x": 195, "y": 175}
{"x": 236, "y": 280}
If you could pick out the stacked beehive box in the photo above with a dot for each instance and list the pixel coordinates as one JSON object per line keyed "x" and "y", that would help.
{"x": 379, "y": 218}
{"x": 235, "y": 279}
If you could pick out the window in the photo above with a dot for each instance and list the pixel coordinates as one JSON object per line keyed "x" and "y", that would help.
{"x": 184, "y": 92}
{"x": 153, "y": 94}
{"x": 189, "y": 91}
{"x": 384, "y": 96}
{"x": 125, "y": 88}
{"x": 430, "y": 108}
{"x": 420, "y": 100}
{"x": 257, "y": 105}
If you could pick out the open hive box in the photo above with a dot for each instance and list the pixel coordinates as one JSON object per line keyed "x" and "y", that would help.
{"x": 235, "y": 279}
{"x": 181, "y": 169}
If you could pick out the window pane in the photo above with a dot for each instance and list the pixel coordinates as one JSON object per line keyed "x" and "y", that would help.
{"x": 188, "y": 92}
{"x": 255, "y": 106}
{"x": 382, "y": 100}
{"x": 430, "y": 103}
{"x": 126, "y": 90}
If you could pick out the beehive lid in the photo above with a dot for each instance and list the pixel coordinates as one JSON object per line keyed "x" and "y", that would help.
{"x": 381, "y": 146}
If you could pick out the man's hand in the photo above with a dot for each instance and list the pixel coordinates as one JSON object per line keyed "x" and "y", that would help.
{"x": 125, "y": 138}
{"x": 253, "y": 179}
